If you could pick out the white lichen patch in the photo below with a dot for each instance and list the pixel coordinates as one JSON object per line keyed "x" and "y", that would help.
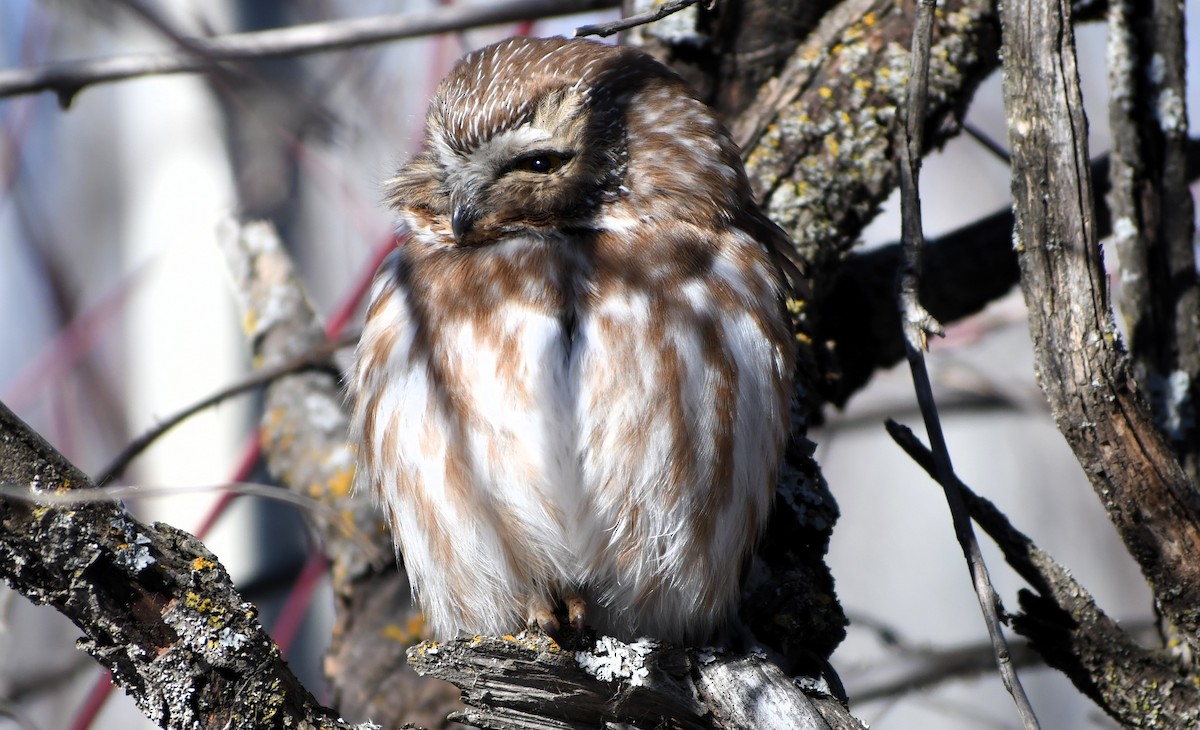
{"x": 231, "y": 639}
{"x": 1172, "y": 115}
{"x": 614, "y": 661}
{"x": 135, "y": 553}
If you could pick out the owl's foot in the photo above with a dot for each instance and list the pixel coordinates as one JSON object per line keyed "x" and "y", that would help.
{"x": 576, "y": 613}
{"x": 540, "y": 617}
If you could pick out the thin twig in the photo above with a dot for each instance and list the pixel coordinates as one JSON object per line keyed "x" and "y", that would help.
{"x": 68, "y": 78}
{"x": 917, "y": 324}
{"x": 316, "y": 358}
{"x": 606, "y": 29}
{"x": 988, "y": 143}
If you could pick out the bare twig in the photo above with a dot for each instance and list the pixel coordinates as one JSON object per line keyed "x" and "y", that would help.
{"x": 1070, "y": 631}
{"x": 68, "y": 78}
{"x": 988, "y": 143}
{"x": 606, "y": 29}
{"x": 316, "y": 358}
{"x": 917, "y": 322}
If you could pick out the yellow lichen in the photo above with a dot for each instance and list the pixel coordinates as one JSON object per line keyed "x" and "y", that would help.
{"x": 249, "y": 322}
{"x": 199, "y": 564}
{"x": 341, "y": 482}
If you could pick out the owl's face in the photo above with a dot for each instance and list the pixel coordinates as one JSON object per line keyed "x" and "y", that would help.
{"x": 535, "y": 137}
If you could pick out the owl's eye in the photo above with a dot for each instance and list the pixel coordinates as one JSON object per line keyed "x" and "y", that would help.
{"x": 542, "y": 162}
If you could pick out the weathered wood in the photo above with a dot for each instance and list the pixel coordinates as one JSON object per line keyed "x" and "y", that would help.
{"x": 1138, "y": 686}
{"x": 1081, "y": 366}
{"x": 1151, "y": 200}
{"x": 525, "y": 681}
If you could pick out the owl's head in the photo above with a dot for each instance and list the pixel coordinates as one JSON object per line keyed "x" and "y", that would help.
{"x": 544, "y": 136}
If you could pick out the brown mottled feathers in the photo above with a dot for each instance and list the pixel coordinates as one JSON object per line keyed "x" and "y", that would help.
{"x": 573, "y": 381}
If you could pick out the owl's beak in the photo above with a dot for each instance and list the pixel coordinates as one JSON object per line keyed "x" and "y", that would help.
{"x": 463, "y": 220}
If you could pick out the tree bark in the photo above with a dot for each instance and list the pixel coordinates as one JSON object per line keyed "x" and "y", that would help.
{"x": 155, "y": 607}
{"x": 1080, "y": 363}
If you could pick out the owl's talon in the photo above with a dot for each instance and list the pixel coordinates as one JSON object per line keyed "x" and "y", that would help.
{"x": 542, "y": 619}
{"x": 576, "y": 613}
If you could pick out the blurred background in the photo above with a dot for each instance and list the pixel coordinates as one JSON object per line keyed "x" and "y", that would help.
{"x": 116, "y": 312}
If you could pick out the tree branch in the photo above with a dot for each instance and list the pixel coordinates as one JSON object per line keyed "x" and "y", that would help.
{"x": 916, "y": 324}
{"x": 518, "y": 682}
{"x": 1136, "y": 686}
{"x": 68, "y": 78}
{"x": 819, "y": 141}
{"x": 963, "y": 271}
{"x": 1081, "y": 367}
{"x": 156, "y": 607}
{"x": 1160, "y": 290}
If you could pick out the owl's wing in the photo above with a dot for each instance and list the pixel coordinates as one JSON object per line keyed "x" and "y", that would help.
{"x": 785, "y": 257}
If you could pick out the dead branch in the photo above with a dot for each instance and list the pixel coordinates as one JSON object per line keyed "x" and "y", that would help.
{"x": 1160, "y": 289}
{"x": 304, "y": 429}
{"x": 604, "y": 30}
{"x": 917, "y": 323}
{"x": 1136, "y": 686}
{"x": 316, "y": 358}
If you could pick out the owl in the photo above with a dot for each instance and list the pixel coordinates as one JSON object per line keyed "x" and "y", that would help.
{"x": 572, "y": 390}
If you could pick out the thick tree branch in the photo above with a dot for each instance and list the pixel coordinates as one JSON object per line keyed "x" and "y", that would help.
{"x": 819, "y": 141}
{"x": 1081, "y": 366}
{"x": 519, "y": 682}
{"x": 155, "y": 606}
{"x": 66, "y": 79}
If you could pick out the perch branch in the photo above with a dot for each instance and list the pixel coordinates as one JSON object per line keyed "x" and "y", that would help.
{"x": 520, "y": 681}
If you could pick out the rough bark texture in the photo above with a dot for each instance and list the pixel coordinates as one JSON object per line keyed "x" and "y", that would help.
{"x": 1080, "y": 363}
{"x": 1139, "y": 687}
{"x": 1160, "y": 291}
{"x": 155, "y": 607}
{"x": 517, "y": 682}
{"x": 819, "y": 140}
